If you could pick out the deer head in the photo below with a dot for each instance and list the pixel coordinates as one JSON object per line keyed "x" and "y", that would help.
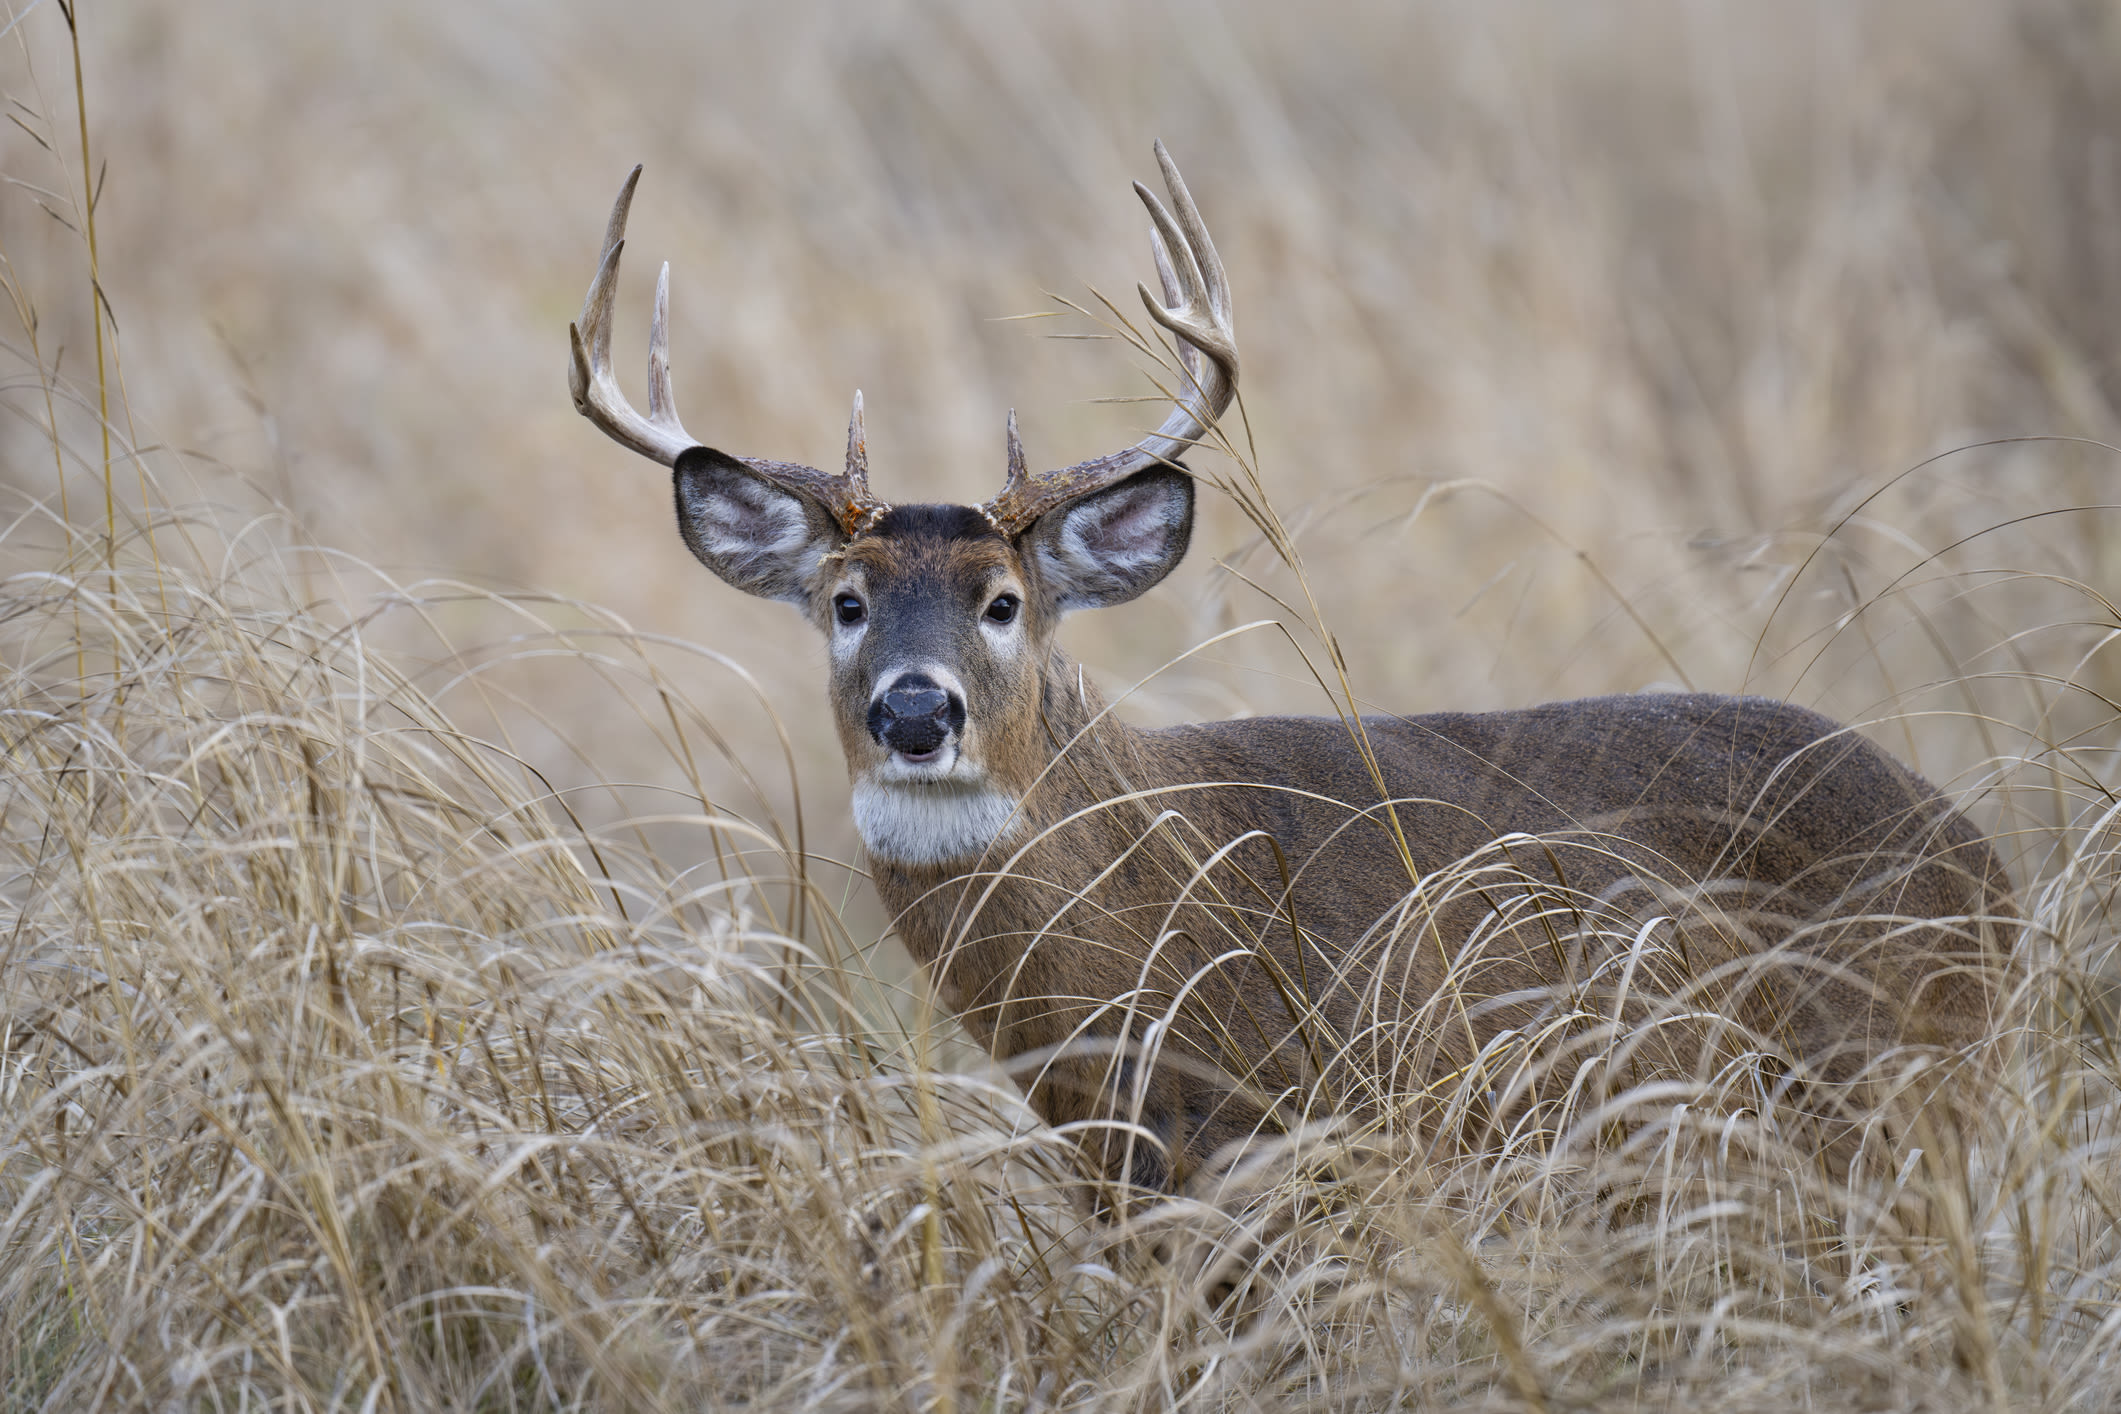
{"x": 940, "y": 618}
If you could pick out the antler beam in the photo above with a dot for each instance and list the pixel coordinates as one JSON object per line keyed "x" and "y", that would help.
{"x": 659, "y": 435}
{"x": 1196, "y": 310}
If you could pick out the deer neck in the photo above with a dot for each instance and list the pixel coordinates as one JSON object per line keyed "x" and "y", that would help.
{"x": 1085, "y": 754}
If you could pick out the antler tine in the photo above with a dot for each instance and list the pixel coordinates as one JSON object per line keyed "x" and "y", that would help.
{"x": 1196, "y": 310}
{"x": 857, "y": 509}
{"x": 596, "y": 305}
{"x": 1198, "y": 313}
{"x": 1189, "y": 357}
{"x": 1017, "y": 471}
{"x": 596, "y": 390}
{"x": 660, "y": 435}
{"x": 662, "y": 405}
{"x": 857, "y": 473}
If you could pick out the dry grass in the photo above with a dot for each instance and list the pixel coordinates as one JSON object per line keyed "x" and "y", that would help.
{"x": 344, "y": 1064}
{"x": 417, "y": 996}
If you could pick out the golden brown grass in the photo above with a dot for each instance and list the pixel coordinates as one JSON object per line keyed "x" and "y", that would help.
{"x": 344, "y": 1064}
{"x": 419, "y": 996}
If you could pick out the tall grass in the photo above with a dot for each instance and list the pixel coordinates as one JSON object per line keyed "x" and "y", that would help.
{"x": 345, "y": 1065}
{"x": 418, "y": 996}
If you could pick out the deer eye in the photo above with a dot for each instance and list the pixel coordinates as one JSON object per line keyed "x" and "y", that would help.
{"x": 848, "y": 609}
{"x": 1003, "y": 609}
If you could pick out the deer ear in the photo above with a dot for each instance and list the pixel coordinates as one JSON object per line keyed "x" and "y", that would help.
{"x": 1114, "y": 544}
{"x": 760, "y": 537}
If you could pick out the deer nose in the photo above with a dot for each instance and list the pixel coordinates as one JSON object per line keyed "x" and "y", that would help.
{"x": 915, "y": 717}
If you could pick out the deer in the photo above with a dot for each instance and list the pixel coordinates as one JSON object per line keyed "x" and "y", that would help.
{"x": 1180, "y": 940}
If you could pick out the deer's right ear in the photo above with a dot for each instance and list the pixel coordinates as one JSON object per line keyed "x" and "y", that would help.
{"x": 757, "y": 536}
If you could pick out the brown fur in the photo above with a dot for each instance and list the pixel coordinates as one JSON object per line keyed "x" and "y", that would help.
{"x": 1814, "y": 839}
{"x": 1210, "y": 930}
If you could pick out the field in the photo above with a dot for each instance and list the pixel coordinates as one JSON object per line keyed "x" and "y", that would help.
{"x": 435, "y": 965}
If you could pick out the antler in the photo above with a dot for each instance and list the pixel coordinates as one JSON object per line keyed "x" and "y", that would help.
{"x": 1196, "y": 309}
{"x": 660, "y": 435}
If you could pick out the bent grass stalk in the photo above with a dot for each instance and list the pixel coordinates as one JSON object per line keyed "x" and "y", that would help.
{"x": 341, "y": 1056}
{"x": 346, "y": 1057}
{"x": 87, "y": 207}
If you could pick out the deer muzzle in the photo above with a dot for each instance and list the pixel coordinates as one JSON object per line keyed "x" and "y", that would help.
{"x": 915, "y": 716}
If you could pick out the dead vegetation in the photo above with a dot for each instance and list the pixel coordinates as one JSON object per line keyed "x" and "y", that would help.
{"x": 418, "y": 996}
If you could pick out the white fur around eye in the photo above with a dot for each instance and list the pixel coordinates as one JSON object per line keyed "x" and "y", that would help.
{"x": 846, "y": 638}
{"x": 1004, "y": 638}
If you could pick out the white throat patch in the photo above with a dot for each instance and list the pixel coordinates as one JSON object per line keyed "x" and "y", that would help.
{"x": 930, "y": 822}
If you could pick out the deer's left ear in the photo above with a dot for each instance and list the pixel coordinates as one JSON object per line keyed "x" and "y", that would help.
{"x": 1114, "y": 544}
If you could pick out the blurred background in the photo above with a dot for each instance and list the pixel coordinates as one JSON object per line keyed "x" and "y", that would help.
{"x": 1587, "y": 348}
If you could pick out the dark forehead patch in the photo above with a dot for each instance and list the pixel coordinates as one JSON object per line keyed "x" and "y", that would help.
{"x": 936, "y": 523}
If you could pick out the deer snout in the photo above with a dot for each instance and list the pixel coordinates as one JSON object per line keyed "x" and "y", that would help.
{"x": 915, "y": 716}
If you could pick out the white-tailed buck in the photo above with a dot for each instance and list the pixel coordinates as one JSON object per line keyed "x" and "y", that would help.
{"x": 1207, "y": 930}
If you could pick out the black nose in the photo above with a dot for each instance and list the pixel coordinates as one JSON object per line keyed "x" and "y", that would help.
{"x": 915, "y": 716}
